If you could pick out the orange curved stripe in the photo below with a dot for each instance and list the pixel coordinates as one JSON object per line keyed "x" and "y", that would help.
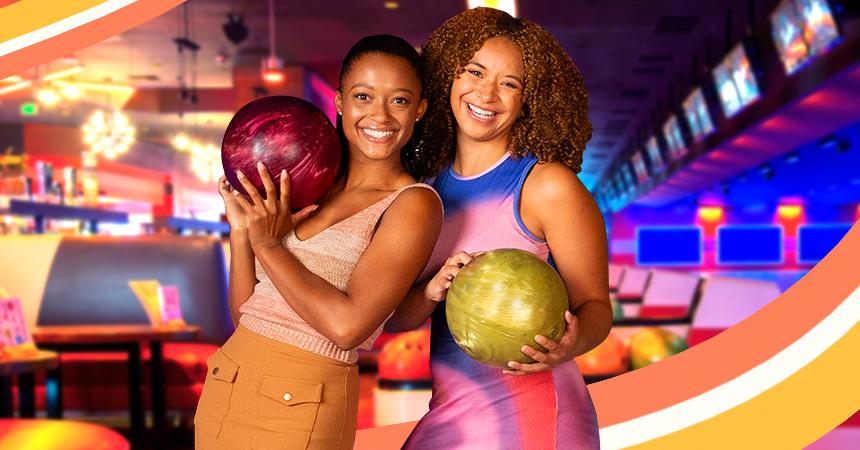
{"x": 84, "y": 36}
{"x": 739, "y": 348}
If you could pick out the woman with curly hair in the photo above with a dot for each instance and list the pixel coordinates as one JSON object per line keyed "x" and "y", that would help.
{"x": 506, "y": 129}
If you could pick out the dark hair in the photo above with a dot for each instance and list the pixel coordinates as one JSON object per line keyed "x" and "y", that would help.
{"x": 554, "y": 125}
{"x": 388, "y": 45}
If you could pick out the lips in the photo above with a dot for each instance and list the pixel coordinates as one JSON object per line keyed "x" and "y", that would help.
{"x": 479, "y": 114}
{"x": 376, "y": 136}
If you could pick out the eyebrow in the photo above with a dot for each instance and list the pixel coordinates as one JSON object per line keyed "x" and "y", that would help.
{"x": 485, "y": 68}
{"x": 367, "y": 86}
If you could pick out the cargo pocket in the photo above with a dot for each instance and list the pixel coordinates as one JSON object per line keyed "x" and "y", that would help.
{"x": 217, "y": 390}
{"x": 288, "y": 412}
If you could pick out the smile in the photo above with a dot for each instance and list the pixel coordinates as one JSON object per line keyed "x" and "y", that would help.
{"x": 377, "y": 136}
{"x": 481, "y": 114}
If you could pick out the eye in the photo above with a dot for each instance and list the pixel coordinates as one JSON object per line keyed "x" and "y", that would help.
{"x": 511, "y": 85}
{"x": 400, "y": 100}
{"x": 476, "y": 73}
{"x": 361, "y": 96}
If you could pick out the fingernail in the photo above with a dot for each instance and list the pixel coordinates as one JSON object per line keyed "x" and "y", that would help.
{"x": 283, "y": 172}
{"x": 240, "y": 174}
{"x": 259, "y": 164}
{"x": 512, "y": 364}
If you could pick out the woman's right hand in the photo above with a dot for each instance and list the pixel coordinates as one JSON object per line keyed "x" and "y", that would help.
{"x": 437, "y": 288}
{"x": 236, "y": 216}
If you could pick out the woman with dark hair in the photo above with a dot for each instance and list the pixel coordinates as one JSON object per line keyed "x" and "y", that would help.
{"x": 504, "y": 137}
{"x": 307, "y": 293}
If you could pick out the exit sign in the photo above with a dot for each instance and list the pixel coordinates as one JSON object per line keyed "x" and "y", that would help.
{"x": 29, "y": 109}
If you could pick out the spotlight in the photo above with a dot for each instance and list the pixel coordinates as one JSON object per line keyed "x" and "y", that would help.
{"x": 235, "y": 28}
{"x": 841, "y": 145}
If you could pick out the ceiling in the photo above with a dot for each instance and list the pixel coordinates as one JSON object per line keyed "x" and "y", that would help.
{"x": 636, "y": 55}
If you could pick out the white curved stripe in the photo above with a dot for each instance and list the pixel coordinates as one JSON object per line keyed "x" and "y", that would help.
{"x": 741, "y": 389}
{"x": 63, "y": 25}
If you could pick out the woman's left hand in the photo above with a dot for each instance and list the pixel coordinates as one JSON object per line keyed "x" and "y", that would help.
{"x": 268, "y": 220}
{"x": 557, "y": 352}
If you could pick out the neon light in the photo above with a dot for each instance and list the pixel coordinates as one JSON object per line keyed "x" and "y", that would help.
{"x": 711, "y": 213}
{"x": 789, "y": 212}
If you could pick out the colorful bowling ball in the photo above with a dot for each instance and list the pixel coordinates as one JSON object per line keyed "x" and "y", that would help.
{"x": 617, "y": 312}
{"x": 610, "y": 357}
{"x": 284, "y": 133}
{"x": 406, "y": 357}
{"x": 652, "y": 345}
{"x": 501, "y": 301}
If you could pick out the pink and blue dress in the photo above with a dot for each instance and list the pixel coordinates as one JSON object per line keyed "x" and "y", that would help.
{"x": 476, "y": 406}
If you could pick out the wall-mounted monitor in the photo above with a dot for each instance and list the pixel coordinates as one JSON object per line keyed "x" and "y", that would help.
{"x": 674, "y": 139}
{"x": 749, "y": 245}
{"x": 669, "y": 246}
{"x": 815, "y": 241}
{"x": 698, "y": 117}
{"x": 735, "y": 81}
{"x": 629, "y": 177}
{"x": 639, "y": 168}
{"x": 802, "y": 29}
{"x": 653, "y": 149}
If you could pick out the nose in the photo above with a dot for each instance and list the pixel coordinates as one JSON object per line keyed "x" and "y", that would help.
{"x": 379, "y": 111}
{"x": 487, "y": 92}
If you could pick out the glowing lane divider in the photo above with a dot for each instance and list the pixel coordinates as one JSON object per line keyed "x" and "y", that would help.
{"x": 741, "y": 389}
{"x": 62, "y": 26}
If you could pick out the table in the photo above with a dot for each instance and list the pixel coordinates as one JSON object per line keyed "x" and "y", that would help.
{"x": 128, "y": 339}
{"x": 25, "y": 368}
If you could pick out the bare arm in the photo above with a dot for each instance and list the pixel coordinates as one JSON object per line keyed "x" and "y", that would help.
{"x": 413, "y": 311}
{"x": 242, "y": 272}
{"x": 383, "y": 276}
{"x": 573, "y": 227}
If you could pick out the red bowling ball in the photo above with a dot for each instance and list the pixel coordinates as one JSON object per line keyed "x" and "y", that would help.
{"x": 284, "y": 133}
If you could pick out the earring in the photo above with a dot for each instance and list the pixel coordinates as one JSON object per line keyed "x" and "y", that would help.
{"x": 340, "y": 113}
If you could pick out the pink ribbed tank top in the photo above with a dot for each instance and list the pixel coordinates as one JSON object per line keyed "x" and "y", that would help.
{"x": 331, "y": 254}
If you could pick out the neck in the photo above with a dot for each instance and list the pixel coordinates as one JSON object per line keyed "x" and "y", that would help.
{"x": 366, "y": 174}
{"x": 474, "y": 157}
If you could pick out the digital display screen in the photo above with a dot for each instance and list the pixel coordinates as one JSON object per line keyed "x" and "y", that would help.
{"x": 749, "y": 244}
{"x": 698, "y": 117}
{"x": 802, "y": 29}
{"x": 669, "y": 246}
{"x": 672, "y": 132}
{"x": 735, "y": 81}
{"x": 654, "y": 155}
{"x": 639, "y": 167}
{"x": 814, "y": 242}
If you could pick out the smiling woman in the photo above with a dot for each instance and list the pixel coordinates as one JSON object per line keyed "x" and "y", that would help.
{"x": 308, "y": 293}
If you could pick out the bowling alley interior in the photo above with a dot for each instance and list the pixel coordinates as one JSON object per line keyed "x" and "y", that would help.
{"x": 725, "y": 160}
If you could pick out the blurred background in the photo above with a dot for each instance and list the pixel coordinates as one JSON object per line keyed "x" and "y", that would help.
{"x": 724, "y": 158}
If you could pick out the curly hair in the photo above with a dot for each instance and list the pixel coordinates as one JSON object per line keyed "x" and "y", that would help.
{"x": 554, "y": 125}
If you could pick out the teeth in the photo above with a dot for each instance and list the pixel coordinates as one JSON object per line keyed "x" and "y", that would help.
{"x": 481, "y": 112}
{"x": 378, "y": 134}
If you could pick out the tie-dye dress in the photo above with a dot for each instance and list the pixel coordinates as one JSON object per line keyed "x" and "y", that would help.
{"x": 476, "y": 406}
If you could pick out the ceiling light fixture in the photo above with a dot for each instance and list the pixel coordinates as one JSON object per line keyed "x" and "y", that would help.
{"x": 272, "y": 67}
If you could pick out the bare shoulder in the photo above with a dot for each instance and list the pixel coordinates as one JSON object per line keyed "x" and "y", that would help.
{"x": 551, "y": 182}
{"x": 419, "y": 202}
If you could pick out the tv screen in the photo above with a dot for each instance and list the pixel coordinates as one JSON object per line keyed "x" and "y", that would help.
{"x": 735, "y": 81}
{"x": 802, "y": 29}
{"x": 749, "y": 244}
{"x": 668, "y": 246}
{"x": 639, "y": 167}
{"x": 654, "y": 154}
{"x": 629, "y": 178}
{"x": 698, "y": 117}
{"x": 814, "y": 242}
{"x": 672, "y": 132}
